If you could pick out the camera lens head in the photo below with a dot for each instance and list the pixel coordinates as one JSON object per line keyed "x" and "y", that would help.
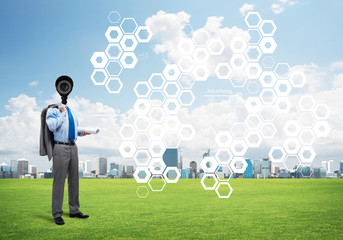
{"x": 64, "y": 86}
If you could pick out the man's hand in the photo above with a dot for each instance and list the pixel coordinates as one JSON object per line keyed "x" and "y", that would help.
{"x": 63, "y": 108}
{"x": 84, "y": 133}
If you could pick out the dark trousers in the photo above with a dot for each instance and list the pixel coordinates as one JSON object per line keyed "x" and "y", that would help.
{"x": 65, "y": 161}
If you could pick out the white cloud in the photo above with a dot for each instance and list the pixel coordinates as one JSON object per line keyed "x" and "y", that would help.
{"x": 34, "y": 83}
{"x": 245, "y": 8}
{"x": 281, "y": 5}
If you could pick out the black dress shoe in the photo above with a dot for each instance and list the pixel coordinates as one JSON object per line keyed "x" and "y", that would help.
{"x": 78, "y": 215}
{"x": 59, "y": 221}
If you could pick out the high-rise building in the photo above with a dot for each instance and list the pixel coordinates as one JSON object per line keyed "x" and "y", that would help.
{"x": 82, "y": 165}
{"x": 185, "y": 173}
{"x": 193, "y": 166}
{"x": 257, "y": 168}
{"x": 341, "y": 166}
{"x": 14, "y": 168}
{"x": 180, "y": 161}
{"x": 266, "y": 166}
{"x": 206, "y": 154}
{"x": 323, "y": 172}
{"x": 114, "y": 166}
{"x": 88, "y": 166}
{"x": 101, "y": 166}
{"x": 129, "y": 171}
{"x": 325, "y": 164}
{"x": 5, "y": 168}
{"x": 23, "y": 167}
{"x": 33, "y": 170}
{"x": 170, "y": 157}
{"x": 248, "y": 173}
{"x": 316, "y": 172}
{"x": 330, "y": 168}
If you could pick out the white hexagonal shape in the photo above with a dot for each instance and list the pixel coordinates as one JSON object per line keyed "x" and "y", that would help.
{"x": 298, "y": 79}
{"x": 282, "y": 70}
{"x": 307, "y": 154}
{"x": 253, "y": 53}
{"x": 223, "y": 139}
{"x": 171, "y": 123}
{"x": 321, "y": 111}
{"x": 157, "y": 98}
{"x": 186, "y": 64}
{"x": 142, "y": 89}
{"x": 127, "y": 132}
{"x": 171, "y": 140}
{"x": 283, "y": 88}
{"x": 142, "y": 106}
{"x": 154, "y": 185}
{"x": 129, "y": 60}
{"x": 292, "y": 128}
{"x": 209, "y": 164}
{"x": 171, "y": 106}
{"x": 268, "y": 130}
{"x": 268, "y": 62}
{"x": 114, "y": 85}
{"x": 238, "y": 45}
{"x": 223, "y": 172}
{"x": 253, "y": 70}
{"x": 223, "y": 70}
{"x": 129, "y": 43}
{"x": 201, "y": 38}
{"x": 238, "y": 147}
{"x": 157, "y": 132}
{"x": 267, "y": 28}
{"x": 307, "y": 120}
{"x": 143, "y": 34}
{"x": 238, "y": 130}
{"x": 253, "y": 88}
{"x": 142, "y": 140}
{"x": 253, "y": 139}
{"x": 186, "y": 98}
{"x": 268, "y": 45}
{"x": 277, "y": 154}
{"x": 114, "y": 51}
{"x": 186, "y": 46}
{"x": 268, "y": 79}
{"x": 283, "y": 105}
{"x": 306, "y": 171}
{"x": 99, "y": 59}
{"x": 201, "y": 72}
{"x": 186, "y": 132}
{"x": 186, "y": 80}
{"x": 201, "y": 55}
{"x": 267, "y": 113}
{"x": 291, "y": 162}
{"x": 113, "y": 34}
{"x": 292, "y": 145}
{"x": 216, "y": 46}
{"x": 268, "y": 96}
{"x": 114, "y": 17}
{"x": 169, "y": 179}
{"x": 208, "y": 186}
{"x": 253, "y": 122}
{"x": 307, "y": 137}
{"x": 99, "y": 77}
{"x": 306, "y": 103}
{"x": 255, "y": 36}
{"x": 157, "y": 115}
{"x": 142, "y": 157}
{"x": 128, "y": 25}
{"x": 223, "y": 155}
{"x": 156, "y": 81}
{"x": 156, "y": 149}
{"x": 142, "y": 192}
{"x": 253, "y": 104}
{"x": 238, "y": 79}
{"x": 321, "y": 128}
{"x": 253, "y": 19}
{"x": 142, "y": 123}
{"x": 222, "y": 185}
{"x": 142, "y": 175}
{"x": 171, "y": 72}
{"x": 238, "y": 164}
{"x": 127, "y": 149}
{"x": 157, "y": 166}
{"x": 114, "y": 68}
{"x": 171, "y": 89}
{"x": 238, "y": 62}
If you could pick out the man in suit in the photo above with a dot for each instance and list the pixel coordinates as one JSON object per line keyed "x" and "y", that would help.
{"x": 64, "y": 125}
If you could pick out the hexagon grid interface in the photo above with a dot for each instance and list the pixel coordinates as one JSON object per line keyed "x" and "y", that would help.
{"x": 209, "y": 164}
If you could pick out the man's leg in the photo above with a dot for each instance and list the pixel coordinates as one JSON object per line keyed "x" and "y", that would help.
{"x": 61, "y": 157}
{"x": 73, "y": 181}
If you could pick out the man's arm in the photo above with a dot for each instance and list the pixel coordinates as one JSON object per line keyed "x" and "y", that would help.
{"x": 53, "y": 120}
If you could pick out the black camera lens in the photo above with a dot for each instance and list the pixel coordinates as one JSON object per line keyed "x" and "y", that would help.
{"x": 64, "y": 87}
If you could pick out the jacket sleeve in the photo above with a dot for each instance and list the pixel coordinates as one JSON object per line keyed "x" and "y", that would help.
{"x": 53, "y": 119}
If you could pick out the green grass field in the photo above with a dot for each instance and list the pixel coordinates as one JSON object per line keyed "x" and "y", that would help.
{"x": 257, "y": 209}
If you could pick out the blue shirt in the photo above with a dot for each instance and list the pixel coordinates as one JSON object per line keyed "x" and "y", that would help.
{"x": 58, "y": 123}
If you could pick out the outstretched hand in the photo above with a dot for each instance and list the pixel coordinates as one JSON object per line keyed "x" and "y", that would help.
{"x": 84, "y": 133}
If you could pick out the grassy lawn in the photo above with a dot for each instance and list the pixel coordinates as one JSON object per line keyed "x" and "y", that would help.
{"x": 257, "y": 209}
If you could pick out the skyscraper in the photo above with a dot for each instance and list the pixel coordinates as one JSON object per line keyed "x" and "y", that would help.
{"x": 330, "y": 168}
{"x": 193, "y": 166}
{"x": 206, "y": 154}
{"x": 129, "y": 171}
{"x": 185, "y": 173}
{"x": 88, "y": 166}
{"x": 325, "y": 164}
{"x": 82, "y": 165}
{"x": 170, "y": 157}
{"x": 33, "y": 170}
{"x": 341, "y": 166}
{"x": 248, "y": 173}
{"x": 265, "y": 167}
{"x": 101, "y": 166}
{"x": 114, "y": 166}
{"x": 23, "y": 167}
{"x": 257, "y": 168}
{"x": 14, "y": 168}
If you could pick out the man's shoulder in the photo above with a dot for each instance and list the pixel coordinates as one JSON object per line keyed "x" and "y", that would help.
{"x": 53, "y": 109}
